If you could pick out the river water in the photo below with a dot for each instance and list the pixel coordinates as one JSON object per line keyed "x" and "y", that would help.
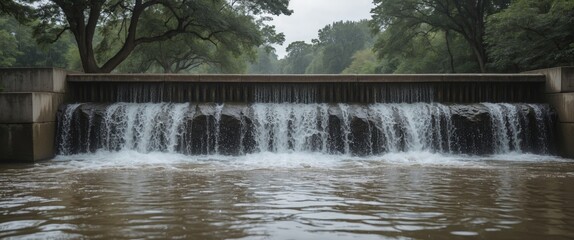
{"x": 419, "y": 195}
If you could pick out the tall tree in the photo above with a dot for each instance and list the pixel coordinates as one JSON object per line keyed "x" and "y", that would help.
{"x": 299, "y": 56}
{"x": 184, "y": 52}
{"x": 18, "y": 48}
{"x": 466, "y": 18}
{"x": 15, "y": 9}
{"x": 336, "y": 45}
{"x": 364, "y": 62}
{"x": 532, "y": 34}
{"x": 265, "y": 63}
{"x": 423, "y": 50}
{"x": 203, "y": 20}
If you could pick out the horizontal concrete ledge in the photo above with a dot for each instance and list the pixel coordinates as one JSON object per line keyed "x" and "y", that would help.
{"x": 33, "y": 80}
{"x": 306, "y": 78}
{"x": 559, "y": 79}
{"x": 566, "y": 139}
{"x": 27, "y": 142}
{"x": 29, "y": 107}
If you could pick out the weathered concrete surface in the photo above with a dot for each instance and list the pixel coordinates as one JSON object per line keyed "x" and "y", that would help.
{"x": 566, "y": 139}
{"x": 364, "y": 89}
{"x": 307, "y": 78}
{"x": 564, "y": 105}
{"x": 26, "y": 142}
{"x": 33, "y": 80}
{"x": 31, "y": 107}
{"x": 558, "y": 80}
{"x": 560, "y": 95}
{"x": 28, "y": 107}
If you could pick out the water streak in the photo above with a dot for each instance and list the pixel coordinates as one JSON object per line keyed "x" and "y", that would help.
{"x": 66, "y": 128}
{"x": 286, "y": 128}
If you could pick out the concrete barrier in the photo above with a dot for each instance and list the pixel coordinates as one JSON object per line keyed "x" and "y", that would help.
{"x": 28, "y": 103}
{"x": 364, "y": 89}
{"x": 30, "y": 96}
{"x": 560, "y": 95}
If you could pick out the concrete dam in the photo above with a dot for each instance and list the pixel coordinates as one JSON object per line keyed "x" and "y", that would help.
{"x": 354, "y": 115}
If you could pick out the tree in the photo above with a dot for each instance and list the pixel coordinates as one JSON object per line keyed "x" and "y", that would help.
{"x": 364, "y": 62}
{"x": 18, "y": 48}
{"x": 17, "y": 10}
{"x": 423, "y": 50}
{"x": 183, "y": 52}
{"x": 337, "y": 43}
{"x": 265, "y": 63}
{"x": 180, "y": 54}
{"x": 466, "y": 18}
{"x": 203, "y": 20}
{"x": 299, "y": 56}
{"x": 8, "y": 45}
{"x": 532, "y": 34}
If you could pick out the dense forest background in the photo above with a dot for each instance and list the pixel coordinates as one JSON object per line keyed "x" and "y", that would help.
{"x": 215, "y": 36}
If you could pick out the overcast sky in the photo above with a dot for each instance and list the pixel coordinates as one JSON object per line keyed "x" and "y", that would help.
{"x": 311, "y": 15}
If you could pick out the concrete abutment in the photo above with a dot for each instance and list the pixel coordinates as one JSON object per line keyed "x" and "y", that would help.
{"x": 29, "y": 101}
{"x": 560, "y": 95}
{"x": 30, "y": 96}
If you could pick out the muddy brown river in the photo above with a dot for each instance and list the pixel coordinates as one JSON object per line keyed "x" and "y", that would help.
{"x": 128, "y": 195}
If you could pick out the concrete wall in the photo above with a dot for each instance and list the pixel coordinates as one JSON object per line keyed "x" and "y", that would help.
{"x": 31, "y": 96}
{"x": 28, "y": 104}
{"x": 560, "y": 95}
{"x": 459, "y": 88}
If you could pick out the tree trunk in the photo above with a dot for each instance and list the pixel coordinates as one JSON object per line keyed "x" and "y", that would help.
{"x": 447, "y": 38}
{"x": 84, "y": 35}
{"x": 480, "y": 57}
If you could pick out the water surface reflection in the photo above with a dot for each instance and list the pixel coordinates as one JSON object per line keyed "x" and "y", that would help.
{"x": 366, "y": 199}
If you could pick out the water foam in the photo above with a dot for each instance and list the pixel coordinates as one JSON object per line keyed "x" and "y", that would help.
{"x": 131, "y": 159}
{"x": 341, "y": 129}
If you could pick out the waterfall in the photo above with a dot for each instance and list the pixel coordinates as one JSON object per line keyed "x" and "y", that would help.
{"x": 65, "y": 128}
{"x": 506, "y": 127}
{"x": 218, "y": 110}
{"x": 543, "y": 125}
{"x": 231, "y": 129}
{"x": 345, "y": 127}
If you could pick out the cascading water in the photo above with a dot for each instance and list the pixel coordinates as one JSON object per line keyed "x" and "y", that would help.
{"x": 65, "y": 134}
{"x": 233, "y": 129}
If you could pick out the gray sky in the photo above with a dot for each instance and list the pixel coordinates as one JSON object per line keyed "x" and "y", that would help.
{"x": 311, "y": 15}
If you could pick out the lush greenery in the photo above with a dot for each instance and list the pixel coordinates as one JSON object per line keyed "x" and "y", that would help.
{"x": 331, "y": 53}
{"x": 473, "y": 36}
{"x": 108, "y": 31}
{"x": 442, "y": 36}
{"x": 19, "y": 49}
{"x": 532, "y": 34}
{"x": 219, "y": 36}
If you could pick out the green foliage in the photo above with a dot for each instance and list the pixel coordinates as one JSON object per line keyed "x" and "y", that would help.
{"x": 463, "y": 18}
{"x": 424, "y": 51}
{"x": 336, "y": 45}
{"x": 182, "y": 54}
{"x": 8, "y": 48}
{"x": 16, "y": 10}
{"x": 532, "y": 34}
{"x": 266, "y": 62}
{"x": 218, "y": 36}
{"x": 18, "y": 48}
{"x": 108, "y": 31}
{"x": 364, "y": 62}
{"x": 331, "y": 52}
{"x": 299, "y": 56}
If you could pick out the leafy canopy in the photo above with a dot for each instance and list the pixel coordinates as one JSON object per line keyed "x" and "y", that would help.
{"x": 532, "y": 34}
{"x": 123, "y": 25}
{"x": 465, "y": 18}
